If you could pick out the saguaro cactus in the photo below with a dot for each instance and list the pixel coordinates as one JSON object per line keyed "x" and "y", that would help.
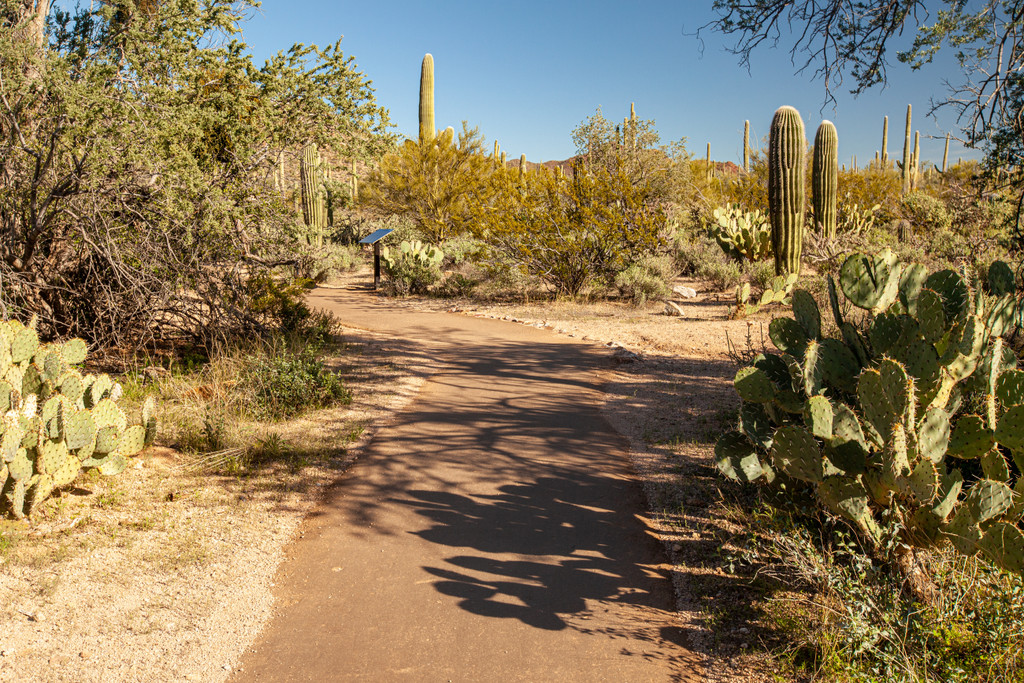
{"x": 906, "y": 156}
{"x": 945, "y": 154}
{"x": 746, "y": 146}
{"x": 916, "y": 164}
{"x": 825, "y": 178}
{"x": 786, "y": 196}
{"x": 522, "y": 167}
{"x": 885, "y": 142}
{"x": 427, "y": 130}
{"x": 314, "y": 208}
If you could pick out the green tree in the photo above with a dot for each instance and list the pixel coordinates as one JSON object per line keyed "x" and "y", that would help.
{"x": 136, "y": 147}
{"x": 437, "y": 183}
{"x": 634, "y": 148}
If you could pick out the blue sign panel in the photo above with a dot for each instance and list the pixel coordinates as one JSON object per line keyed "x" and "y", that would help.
{"x": 376, "y": 236}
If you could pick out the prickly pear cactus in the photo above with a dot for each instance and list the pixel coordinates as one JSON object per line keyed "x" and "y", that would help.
{"x": 741, "y": 234}
{"x": 57, "y": 422}
{"x": 870, "y": 420}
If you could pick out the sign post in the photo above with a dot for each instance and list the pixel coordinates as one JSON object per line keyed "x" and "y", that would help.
{"x": 374, "y": 238}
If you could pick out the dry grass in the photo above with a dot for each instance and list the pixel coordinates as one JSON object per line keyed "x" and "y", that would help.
{"x": 173, "y": 560}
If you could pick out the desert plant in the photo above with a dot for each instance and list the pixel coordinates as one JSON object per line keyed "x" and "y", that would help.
{"x": 427, "y": 130}
{"x": 57, "y": 422}
{"x": 412, "y": 268}
{"x": 285, "y": 384}
{"x": 742, "y": 234}
{"x": 825, "y": 178}
{"x": 786, "y": 188}
{"x": 647, "y": 280}
{"x": 314, "y": 196}
{"x": 870, "y": 419}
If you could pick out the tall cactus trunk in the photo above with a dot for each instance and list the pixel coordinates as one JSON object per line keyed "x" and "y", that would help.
{"x": 746, "y": 146}
{"x": 906, "y": 156}
{"x": 522, "y": 167}
{"x": 786, "y": 198}
{"x": 355, "y": 184}
{"x": 945, "y": 154}
{"x": 707, "y": 163}
{"x": 427, "y": 129}
{"x": 917, "y": 158}
{"x": 885, "y": 142}
{"x": 314, "y": 209}
{"x": 825, "y": 178}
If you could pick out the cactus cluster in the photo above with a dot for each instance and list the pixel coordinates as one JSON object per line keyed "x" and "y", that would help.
{"x": 741, "y": 234}
{"x": 57, "y": 422}
{"x": 872, "y": 418}
{"x": 424, "y": 254}
{"x": 778, "y": 292}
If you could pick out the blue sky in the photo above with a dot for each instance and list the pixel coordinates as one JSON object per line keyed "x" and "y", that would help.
{"x": 526, "y": 73}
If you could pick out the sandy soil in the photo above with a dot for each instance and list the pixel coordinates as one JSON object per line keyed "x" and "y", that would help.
{"x": 164, "y": 572}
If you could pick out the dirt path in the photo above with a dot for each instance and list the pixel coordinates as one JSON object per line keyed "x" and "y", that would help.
{"x": 491, "y": 533}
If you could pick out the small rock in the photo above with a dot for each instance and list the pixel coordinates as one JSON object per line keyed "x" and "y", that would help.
{"x": 226, "y": 667}
{"x": 672, "y": 308}
{"x": 38, "y": 616}
{"x": 685, "y": 292}
{"x": 622, "y": 355}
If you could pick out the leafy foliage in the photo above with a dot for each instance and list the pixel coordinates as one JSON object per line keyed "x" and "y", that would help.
{"x": 434, "y": 182}
{"x": 135, "y": 159}
{"x": 571, "y": 232}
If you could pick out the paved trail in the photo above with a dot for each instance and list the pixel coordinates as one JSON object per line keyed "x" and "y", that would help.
{"x": 489, "y": 534}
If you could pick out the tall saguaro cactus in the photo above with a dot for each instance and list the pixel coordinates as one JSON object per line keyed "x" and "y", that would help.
{"x": 915, "y": 163}
{"x": 746, "y": 146}
{"x": 314, "y": 207}
{"x": 825, "y": 178}
{"x": 786, "y": 198}
{"x": 906, "y": 156}
{"x": 885, "y": 142}
{"x": 945, "y": 154}
{"x": 427, "y": 130}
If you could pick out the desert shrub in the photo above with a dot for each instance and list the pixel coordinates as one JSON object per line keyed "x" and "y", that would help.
{"x": 433, "y": 183}
{"x": 411, "y": 268}
{"x": 749, "y": 190}
{"x": 649, "y": 279}
{"x": 839, "y": 616}
{"x": 698, "y": 255}
{"x": 287, "y": 383}
{"x": 570, "y": 233}
{"x": 871, "y": 187}
{"x": 455, "y": 285}
{"x": 761, "y": 273}
{"x": 927, "y": 214}
{"x": 133, "y": 211}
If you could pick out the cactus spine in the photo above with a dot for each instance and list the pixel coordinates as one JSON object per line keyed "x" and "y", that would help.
{"x": 314, "y": 208}
{"x": 945, "y": 154}
{"x": 746, "y": 146}
{"x": 825, "y": 178}
{"x": 786, "y": 188}
{"x": 885, "y": 141}
{"x": 906, "y": 156}
{"x": 427, "y": 130}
